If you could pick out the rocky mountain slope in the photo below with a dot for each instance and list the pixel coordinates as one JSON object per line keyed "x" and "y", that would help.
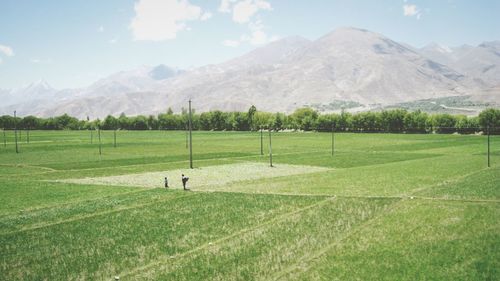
{"x": 347, "y": 64}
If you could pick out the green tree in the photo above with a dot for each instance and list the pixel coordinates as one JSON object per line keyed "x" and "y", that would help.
{"x": 139, "y": 122}
{"x": 110, "y": 123}
{"x": 467, "y": 125}
{"x": 416, "y": 122}
{"x": 490, "y": 118}
{"x": 124, "y": 122}
{"x": 393, "y": 120}
{"x": 7, "y": 122}
{"x": 444, "y": 123}
{"x": 217, "y": 120}
{"x": 305, "y": 118}
{"x": 250, "y": 115}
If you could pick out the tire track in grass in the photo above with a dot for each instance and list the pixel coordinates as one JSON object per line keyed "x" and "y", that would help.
{"x": 309, "y": 260}
{"x": 423, "y": 198}
{"x": 458, "y": 200}
{"x": 135, "y": 271}
{"x": 84, "y": 217}
{"x": 29, "y": 166}
{"x": 71, "y": 202}
{"x": 447, "y": 181}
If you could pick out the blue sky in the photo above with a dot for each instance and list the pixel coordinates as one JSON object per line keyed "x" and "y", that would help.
{"x": 74, "y": 43}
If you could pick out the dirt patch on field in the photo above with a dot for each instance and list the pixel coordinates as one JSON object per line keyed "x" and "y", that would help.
{"x": 202, "y": 177}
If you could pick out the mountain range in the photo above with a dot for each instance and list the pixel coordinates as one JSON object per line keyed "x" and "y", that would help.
{"x": 349, "y": 68}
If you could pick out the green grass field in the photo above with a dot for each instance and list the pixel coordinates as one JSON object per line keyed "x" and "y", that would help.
{"x": 383, "y": 207}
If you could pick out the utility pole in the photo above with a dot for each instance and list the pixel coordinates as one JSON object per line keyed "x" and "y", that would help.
{"x": 190, "y": 138}
{"x": 15, "y": 131}
{"x": 333, "y": 140}
{"x": 187, "y": 136}
{"x": 488, "y": 146}
{"x": 270, "y": 150}
{"x": 90, "y": 129}
{"x": 99, "y": 136}
{"x": 261, "y": 142}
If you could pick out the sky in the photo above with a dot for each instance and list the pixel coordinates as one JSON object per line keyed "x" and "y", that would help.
{"x": 74, "y": 43}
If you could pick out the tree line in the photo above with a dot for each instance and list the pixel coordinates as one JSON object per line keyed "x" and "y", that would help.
{"x": 306, "y": 119}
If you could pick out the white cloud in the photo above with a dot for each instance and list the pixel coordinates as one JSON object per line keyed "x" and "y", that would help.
{"x": 225, "y": 6}
{"x": 244, "y": 10}
{"x": 6, "y": 50}
{"x": 1, "y": 60}
{"x": 257, "y": 36}
{"x": 100, "y": 29}
{"x": 206, "y": 16}
{"x": 159, "y": 20}
{"x": 231, "y": 43}
{"x": 411, "y": 10}
{"x": 113, "y": 41}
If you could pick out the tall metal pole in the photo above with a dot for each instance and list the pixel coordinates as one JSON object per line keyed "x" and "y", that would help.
{"x": 270, "y": 150}
{"x": 261, "y": 142}
{"x": 187, "y": 137}
{"x": 28, "y": 135}
{"x": 190, "y": 138}
{"x": 114, "y": 138}
{"x": 4, "y": 139}
{"x": 333, "y": 141}
{"x": 488, "y": 146}
{"x": 99, "y": 136}
{"x": 15, "y": 131}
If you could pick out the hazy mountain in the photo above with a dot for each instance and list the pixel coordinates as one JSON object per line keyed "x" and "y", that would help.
{"x": 348, "y": 64}
{"x": 273, "y": 53}
{"x": 439, "y": 53}
{"x": 481, "y": 62}
{"x": 39, "y": 90}
{"x": 144, "y": 78}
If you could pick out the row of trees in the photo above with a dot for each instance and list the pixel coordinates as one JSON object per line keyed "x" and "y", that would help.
{"x": 307, "y": 119}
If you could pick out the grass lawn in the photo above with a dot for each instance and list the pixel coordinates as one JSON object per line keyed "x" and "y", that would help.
{"x": 383, "y": 207}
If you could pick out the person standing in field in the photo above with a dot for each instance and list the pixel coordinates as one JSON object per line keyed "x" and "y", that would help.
{"x": 166, "y": 182}
{"x": 184, "y": 181}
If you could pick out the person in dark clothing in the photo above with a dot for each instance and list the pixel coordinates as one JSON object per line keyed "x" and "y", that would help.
{"x": 166, "y": 182}
{"x": 184, "y": 181}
